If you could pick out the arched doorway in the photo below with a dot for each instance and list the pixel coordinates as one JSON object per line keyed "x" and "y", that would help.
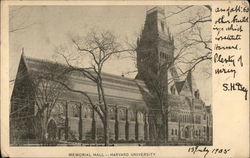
{"x": 52, "y": 130}
{"x": 187, "y": 132}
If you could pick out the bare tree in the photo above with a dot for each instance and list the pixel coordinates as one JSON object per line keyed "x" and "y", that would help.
{"x": 96, "y": 48}
{"x": 193, "y": 47}
{"x": 34, "y": 97}
{"x": 194, "y": 32}
{"x": 157, "y": 83}
{"x": 192, "y": 39}
{"x": 47, "y": 93}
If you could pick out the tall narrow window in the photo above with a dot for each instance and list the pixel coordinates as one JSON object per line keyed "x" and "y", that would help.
{"x": 162, "y": 26}
{"x": 161, "y": 55}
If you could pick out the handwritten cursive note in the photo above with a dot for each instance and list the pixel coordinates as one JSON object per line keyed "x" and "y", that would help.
{"x": 206, "y": 150}
{"x": 228, "y": 54}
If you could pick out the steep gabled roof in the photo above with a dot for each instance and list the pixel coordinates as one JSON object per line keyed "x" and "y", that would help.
{"x": 179, "y": 85}
{"x": 188, "y": 83}
{"x": 117, "y": 87}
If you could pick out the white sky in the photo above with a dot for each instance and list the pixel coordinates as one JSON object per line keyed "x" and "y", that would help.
{"x": 54, "y": 23}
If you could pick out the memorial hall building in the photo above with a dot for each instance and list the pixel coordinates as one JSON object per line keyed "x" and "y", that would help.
{"x": 133, "y": 115}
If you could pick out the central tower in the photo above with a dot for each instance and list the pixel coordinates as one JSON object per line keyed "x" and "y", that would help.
{"x": 155, "y": 56}
{"x": 155, "y": 48}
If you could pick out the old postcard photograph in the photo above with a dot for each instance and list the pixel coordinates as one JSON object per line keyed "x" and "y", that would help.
{"x": 124, "y": 79}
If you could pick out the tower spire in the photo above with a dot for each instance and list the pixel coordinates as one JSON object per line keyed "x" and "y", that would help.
{"x": 22, "y": 52}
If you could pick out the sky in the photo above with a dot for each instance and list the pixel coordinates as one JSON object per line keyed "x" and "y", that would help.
{"x": 50, "y": 26}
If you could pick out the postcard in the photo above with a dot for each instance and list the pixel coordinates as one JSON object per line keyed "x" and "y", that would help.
{"x": 125, "y": 79}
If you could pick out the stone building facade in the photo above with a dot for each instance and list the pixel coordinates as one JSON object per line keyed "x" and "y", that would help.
{"x": 131, "y": 101}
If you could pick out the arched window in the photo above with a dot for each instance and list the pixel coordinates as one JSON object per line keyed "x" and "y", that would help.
{"x": 75, "y": 110}
{"x": 112, "y": 113}
{"x": 58, "y": 109}
{"x": 172, "y": 133}
{"x": 88, "y": 112}
{"x": 175, "y": 131}
{"x": 131, "y": 116}
{"x": 140, "y": 117}
{"x": 84, "y": 113}
{"x": 122, "y": 114}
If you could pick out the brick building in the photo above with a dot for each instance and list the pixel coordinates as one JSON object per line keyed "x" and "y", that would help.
{"x": 135, "y": 111}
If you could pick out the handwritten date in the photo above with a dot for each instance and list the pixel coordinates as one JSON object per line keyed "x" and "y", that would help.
{"x": 206, "y": 150}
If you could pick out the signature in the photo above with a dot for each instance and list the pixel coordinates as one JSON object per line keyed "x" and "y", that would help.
{"x": 235, "y": 87}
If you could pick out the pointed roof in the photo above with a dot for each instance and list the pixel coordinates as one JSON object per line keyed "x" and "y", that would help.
{"x": 189, "y": 82}
{"x": 179, "y": 85}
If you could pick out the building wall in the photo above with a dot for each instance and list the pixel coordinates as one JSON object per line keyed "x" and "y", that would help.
{"x": 185, "y": 124}
{"x": 122, "y": 115}
{"x": 193, "y": 118}
{"x": 186, "y": 113}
